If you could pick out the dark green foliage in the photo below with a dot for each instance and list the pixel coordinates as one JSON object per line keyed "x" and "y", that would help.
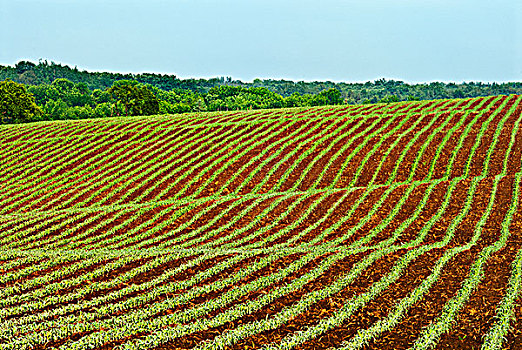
{"x": 103, "y": 110}
{"x": 295, "y": 100}
{"x": 327, "y": 97}
{"x": 62, "y": 89}
{"x": 63, "y": 92}
{"x": 16, "y": 104}
{"x": 55, "y": 110}
{"x": 135, "y": 98}
{"x": 178, "y": 100}
{"x": 46, "y": 72}
{"x": 389, "y": 99}
{"x": 101, "y": 96}
{"x": 224, "y": 98}
{"x": 43, "y": 93}
{"x": 23, "y": 66}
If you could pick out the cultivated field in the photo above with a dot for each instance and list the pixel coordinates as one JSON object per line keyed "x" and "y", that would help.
{"x": 354, "y": 227}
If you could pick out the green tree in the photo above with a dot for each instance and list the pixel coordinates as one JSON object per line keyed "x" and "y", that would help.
{"x": 74, "y": 94}
{"x": 237, "y": 97}
{"x": 55, "y": 110}
{"x": 294, "y": 100}
{"x": 136, "y": 98}
{"x": 101, "y": 96}
{"x": 328, "y": 97}
{"x": 23, "y": 66}
{"x": 103, "y": 110}
{"x": 389, "y": 99}
{"x": 43, "y": 93}
{"x": 64, "y": 86}
{"x": 16, "y": 104}
{"x": 199, "y": 105}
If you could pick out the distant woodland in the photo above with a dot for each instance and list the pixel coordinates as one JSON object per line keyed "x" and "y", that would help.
{"x": 51, "y": 91}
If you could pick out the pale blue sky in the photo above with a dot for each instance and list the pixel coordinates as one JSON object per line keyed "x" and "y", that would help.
{"x": 351, "y": 40}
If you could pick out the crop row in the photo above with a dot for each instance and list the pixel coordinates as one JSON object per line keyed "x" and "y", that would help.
{"x": 379, "y": 225}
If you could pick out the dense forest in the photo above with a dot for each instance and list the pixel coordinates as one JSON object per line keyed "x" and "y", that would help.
{"x": 54, "y": 91}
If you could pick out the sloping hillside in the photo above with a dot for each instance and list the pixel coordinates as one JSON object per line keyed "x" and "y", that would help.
{"x": 385, "y": 226}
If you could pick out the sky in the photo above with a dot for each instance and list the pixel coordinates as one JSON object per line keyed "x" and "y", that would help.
{"x": 336, "y": 40}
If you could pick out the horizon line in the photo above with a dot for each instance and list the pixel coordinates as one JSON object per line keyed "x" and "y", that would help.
{"x": 40, "y": 60}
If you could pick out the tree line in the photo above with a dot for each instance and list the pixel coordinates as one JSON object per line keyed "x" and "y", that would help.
{"x": 64, "y": 99}
{"x": 51, "y": 91}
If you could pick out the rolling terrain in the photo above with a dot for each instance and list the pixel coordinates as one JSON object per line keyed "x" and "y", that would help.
{"x": 385, "y": 226}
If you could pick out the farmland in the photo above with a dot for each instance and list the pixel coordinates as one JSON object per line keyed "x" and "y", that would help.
{"x": 384, "y": 226}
